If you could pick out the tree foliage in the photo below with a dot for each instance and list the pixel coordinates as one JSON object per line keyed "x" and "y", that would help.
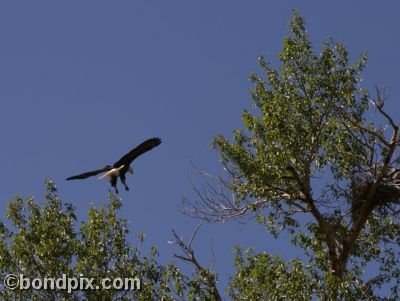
{"x": 311, "y": 147}
{"x": 46, "y": 242}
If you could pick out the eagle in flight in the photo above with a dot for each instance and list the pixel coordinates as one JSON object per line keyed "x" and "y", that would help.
{"x": 122, "y": 166}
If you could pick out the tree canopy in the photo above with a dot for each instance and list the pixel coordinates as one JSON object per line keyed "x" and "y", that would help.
{"x": 46, "y": 242}
{"x": 315, "y": 144}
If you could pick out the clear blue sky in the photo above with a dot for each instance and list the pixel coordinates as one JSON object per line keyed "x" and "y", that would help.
{"x": 82, "y": 82}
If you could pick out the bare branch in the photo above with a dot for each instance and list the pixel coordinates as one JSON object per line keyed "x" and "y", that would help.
{"x": 379, "y": 105}
{"x": 208, "y": 277}
{"x": 194, "y": 234}
{"x": 217, "y": 202}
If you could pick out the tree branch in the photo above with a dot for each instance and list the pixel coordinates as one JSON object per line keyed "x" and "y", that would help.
{"x": 189, "y": 256}
{"x": 367, "y": 207}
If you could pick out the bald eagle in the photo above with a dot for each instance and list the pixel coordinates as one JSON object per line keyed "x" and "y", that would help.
{"x": 122, "y": 166}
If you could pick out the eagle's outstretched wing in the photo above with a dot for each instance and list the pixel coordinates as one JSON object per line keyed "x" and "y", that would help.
{"x": 90, "y": 173}
{"x": 137, "y": 151}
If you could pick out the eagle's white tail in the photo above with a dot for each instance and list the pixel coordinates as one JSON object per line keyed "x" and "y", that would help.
{"x": 112, "y": 172}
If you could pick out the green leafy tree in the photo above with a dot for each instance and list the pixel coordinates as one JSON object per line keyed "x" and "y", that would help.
{"x": 316, "y": 144}
{"x": 46, "y": 242}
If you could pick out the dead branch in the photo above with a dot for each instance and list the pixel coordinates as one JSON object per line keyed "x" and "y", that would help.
{"x": 189, "y": 256}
